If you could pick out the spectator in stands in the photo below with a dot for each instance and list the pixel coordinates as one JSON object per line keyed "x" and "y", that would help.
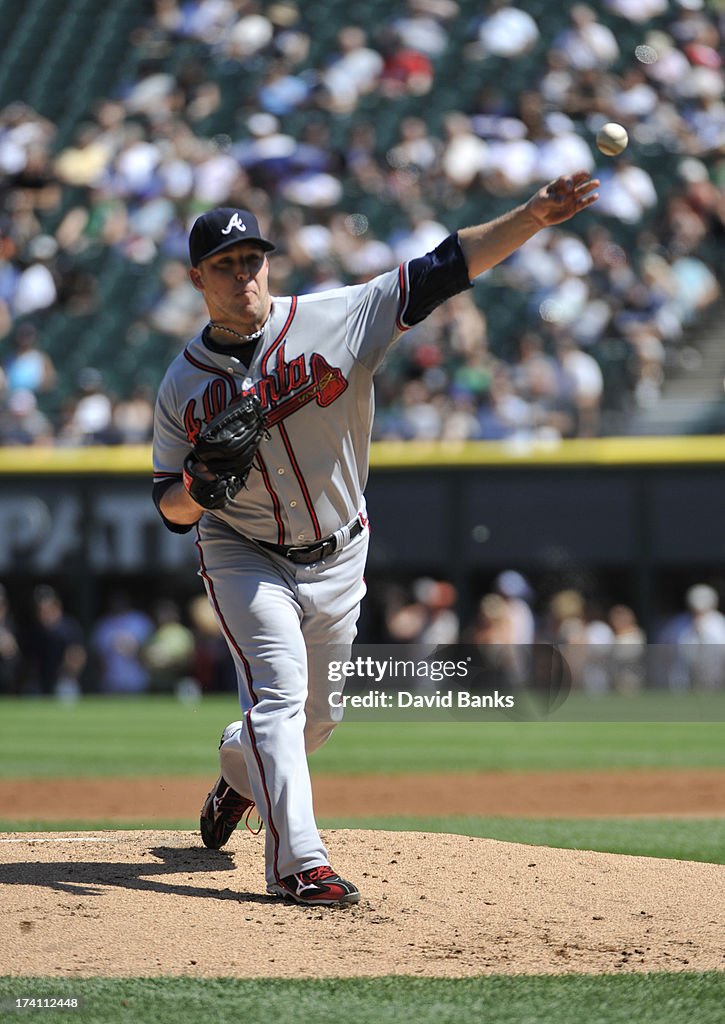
{"x": 587, "y": 43}
{"x": 53, "y": 647}
{"x": 176, "y": 310}
{"x": 465, "y": 154}
{"x": 100, "y": 221}
{"x": 406, "y": 72}
{"x": 281, "y": 91}
{"x": 211, "y": 665}
{"x": 91, "y": 419}
{"x": 422, "y": 234}
{"x": 415, "y": 149}
{"x": 22, "y": 422}
{"x": 10, "y": 657}
{"x": 516, "y": 591}
{"x": 84, "y": 162}
{"x": 422, "y": 27}
{"x": 628, "y": 652}
{"x": 117, "y": 642}
{"x": 36, "y": 287}
{"x": 132, "y": 417}
{"x": 505, "y": 31}
{"x": 168, "y": 651}
{"x": 517, "y": 595}
{"x": 206, "y": 20}
{"x": 583, "y": 384}
{"x": 501, "y": 632}
{"x": 426, "y": 616}
{"x": 352, "y": 72}
{"x": 628, "y": 191}
{"x": 564, "y": 625}
{"x": 491, "y": 625}
{"x": 696, "y": 640}
{"x": 29, "y": 368}
{"x": 638, "y": 11}
{"x": 248, "y": 31}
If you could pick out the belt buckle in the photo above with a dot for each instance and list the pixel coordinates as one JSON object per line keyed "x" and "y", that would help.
{"x": 305, "y": 554}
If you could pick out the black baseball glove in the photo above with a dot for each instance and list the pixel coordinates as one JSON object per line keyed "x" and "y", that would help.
{"x": 218, "y": 465}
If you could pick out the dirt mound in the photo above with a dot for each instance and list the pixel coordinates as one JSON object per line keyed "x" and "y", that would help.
{"x": 671, "y": 792}
{"x": 153, "y": 903}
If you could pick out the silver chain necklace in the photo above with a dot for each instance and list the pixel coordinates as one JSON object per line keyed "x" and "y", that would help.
{"x": 235, "y": 334}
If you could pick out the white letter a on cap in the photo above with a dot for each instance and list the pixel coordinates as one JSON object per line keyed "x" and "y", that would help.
{"x": 235, "y": 221}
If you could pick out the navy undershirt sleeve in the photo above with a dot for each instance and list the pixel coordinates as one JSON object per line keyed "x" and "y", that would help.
{"x": 159, "y": 490}
{"x": 434, "y": 278}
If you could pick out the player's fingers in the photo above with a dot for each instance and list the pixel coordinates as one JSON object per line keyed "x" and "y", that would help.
{"x": 587, "y": 186}
{"x": 587, "y": 200}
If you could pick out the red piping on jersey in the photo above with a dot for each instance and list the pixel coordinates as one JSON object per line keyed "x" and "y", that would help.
{"x": 273, "y": 495}
{"x": 270, "y": 821}
{"x": 403, "y": 285}
{"x": 300, "y": 479}
{"x": 211, "y": 369}
{"x": 222, "y": 621}
{"x": 280, "y": 337}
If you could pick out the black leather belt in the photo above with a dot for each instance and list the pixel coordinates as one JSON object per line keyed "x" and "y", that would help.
{"x": 305, "y": 554}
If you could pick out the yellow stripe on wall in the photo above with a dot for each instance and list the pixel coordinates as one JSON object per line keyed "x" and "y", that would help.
{"x": 609, "y": 451}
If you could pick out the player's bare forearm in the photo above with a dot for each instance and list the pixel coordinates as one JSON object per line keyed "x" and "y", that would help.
{"x": 179, "y": 507}
{"x": 485, "y": 245}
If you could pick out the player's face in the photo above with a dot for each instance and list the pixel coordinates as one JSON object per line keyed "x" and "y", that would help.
{"x": 235, "y": 286}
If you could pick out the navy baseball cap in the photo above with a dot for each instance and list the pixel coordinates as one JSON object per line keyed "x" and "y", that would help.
{"x": 220, "y": 228}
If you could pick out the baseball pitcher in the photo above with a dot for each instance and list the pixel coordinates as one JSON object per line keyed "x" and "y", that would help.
{"x": 261, "y": 444}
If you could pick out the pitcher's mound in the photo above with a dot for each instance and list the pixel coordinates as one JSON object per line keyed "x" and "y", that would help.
{"x": 152, "y": 903}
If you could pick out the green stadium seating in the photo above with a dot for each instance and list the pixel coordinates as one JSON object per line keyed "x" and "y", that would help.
{"x": 62, "y": 55}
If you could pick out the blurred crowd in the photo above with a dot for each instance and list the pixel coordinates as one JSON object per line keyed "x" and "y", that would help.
{"x": 362, "y": 141}
{"x": 176, "y": 647}
{"x": 605, "y": 649}
{"x": 129, "y": 649}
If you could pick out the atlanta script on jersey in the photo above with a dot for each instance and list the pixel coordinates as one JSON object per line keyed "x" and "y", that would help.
{"x": 313, "y": 374}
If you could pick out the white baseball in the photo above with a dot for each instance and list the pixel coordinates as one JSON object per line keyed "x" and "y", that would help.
{"x": 612, "y": 139}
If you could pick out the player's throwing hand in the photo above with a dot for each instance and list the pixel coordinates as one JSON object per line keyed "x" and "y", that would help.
{"x": 563, "y": 198}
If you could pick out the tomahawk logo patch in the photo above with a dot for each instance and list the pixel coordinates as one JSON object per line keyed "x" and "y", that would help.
{"x": 291, "y": 385}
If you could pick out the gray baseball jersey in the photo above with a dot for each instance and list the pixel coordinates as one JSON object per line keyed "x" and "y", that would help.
{"x": 313, "y": 372}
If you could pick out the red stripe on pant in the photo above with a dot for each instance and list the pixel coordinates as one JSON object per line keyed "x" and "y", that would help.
{"x": 222, "y": 621}
{"x": 270, "y": 821}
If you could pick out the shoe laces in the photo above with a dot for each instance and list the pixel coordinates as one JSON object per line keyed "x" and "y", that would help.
{"x": 254, "y": 831}
{"x": 319, "y": 874}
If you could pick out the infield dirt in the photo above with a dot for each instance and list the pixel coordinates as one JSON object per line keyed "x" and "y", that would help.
{"x": 157, "y": 903}
{"x": 519, "y": 794}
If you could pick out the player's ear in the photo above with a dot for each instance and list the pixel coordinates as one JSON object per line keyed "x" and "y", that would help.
{"x": 195, "y": 277}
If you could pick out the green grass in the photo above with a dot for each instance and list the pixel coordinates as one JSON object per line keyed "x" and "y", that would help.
{"x": 701, "y": 839}
{"x": 565, "y": 999}
{"x": 98, "y": 737}
{"x": 159, "y": 736}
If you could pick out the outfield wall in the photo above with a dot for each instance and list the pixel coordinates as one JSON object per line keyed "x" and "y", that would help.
{"x": 630, "y": 505}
